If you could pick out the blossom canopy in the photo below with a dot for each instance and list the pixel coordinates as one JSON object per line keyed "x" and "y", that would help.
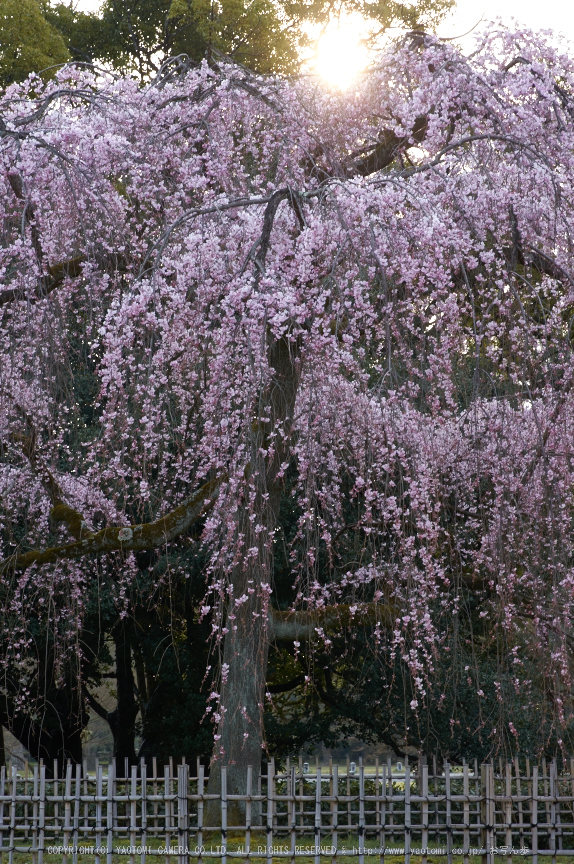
{"x": 223, "y": 294}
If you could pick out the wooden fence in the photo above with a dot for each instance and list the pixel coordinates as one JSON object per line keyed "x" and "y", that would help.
{"x": 512, "y": 810}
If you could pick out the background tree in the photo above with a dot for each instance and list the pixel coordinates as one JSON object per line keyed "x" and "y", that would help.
{"x": 138, "y": 36}
{"x": 85, "y": 35}
{"x": 28, "y": 42}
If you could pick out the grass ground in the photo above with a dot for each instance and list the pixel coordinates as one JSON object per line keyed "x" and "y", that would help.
{"x": 24, "y": 858}
{"x": 212, "y": 853}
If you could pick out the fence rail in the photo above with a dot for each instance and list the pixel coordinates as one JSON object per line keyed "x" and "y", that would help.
{"x": 512, "y": 810}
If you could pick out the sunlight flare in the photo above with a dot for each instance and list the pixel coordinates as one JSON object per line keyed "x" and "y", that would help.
{"x": 341, "y": 54}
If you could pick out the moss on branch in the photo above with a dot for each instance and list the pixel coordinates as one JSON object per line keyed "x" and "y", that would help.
{"x": 133, "y": 538}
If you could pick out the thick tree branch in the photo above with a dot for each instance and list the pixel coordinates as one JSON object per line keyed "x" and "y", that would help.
{"x": 262, "y": 246}
{"x": 529, "y": 256}
{"x": 60, "y": 512}
{"x": 17, "y": 185}
{"x": 57, "y": 273}
{"x": 544, "y": 435}
{"x": 95, "y": 705}
{"x": 133, "y": 538}
{"x": 384, "y": 153}
{"x": 285, "y": 687}
{"x": 290, "y": 626}
{"x": 544, "y": 264}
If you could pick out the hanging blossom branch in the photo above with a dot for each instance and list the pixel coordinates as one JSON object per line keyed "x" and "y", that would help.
{"x": 57, "y": 273}
{"x": 134, "y": 538}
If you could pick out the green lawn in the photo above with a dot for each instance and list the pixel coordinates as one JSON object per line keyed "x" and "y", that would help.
{"x": 212, "y": 849}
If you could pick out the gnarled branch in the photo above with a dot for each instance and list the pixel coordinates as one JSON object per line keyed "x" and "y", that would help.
{"x": 60, "y": 512}
{"x": 134, "y": 538}
{"x": 384, "y": 153}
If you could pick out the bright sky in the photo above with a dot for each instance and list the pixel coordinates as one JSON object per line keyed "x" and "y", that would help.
{"x": 340, "y": 55}
{"x": 557, "y": 15}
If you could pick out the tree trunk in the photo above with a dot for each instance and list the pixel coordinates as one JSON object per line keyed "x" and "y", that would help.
{"x": 246, "y": 645}
{"x": 123, "y": 718}
{"x": 56, "y": 735}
